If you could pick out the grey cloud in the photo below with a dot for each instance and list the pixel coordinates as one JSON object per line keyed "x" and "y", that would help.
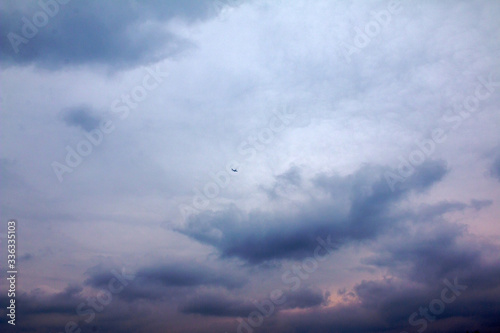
{"x": 304, "y": 298}
{"x": 44, "y": 312}
{"x": 99, "y": 277}
{"x": 189, "y": 275}
{"x": 109, "y": 32}
{"x": 165, "y": 280}
{"x": 436, "y": 250}
{"x": 217, "y": 305}
{"x": 385, "y": 306}
{"x": 38, "y": 302}
{"x": 421, "y": 258}
{"x": 480, "y": 204}
{"x": 82, "y": 117}
{"x": 26, "y": 257}
{"x": 427, "y": 213}
{"x": 394, "y": 302}
{"x": 389, "y": 298}
{"x": 495, "y": 168}
{"x": 257, "y": 236}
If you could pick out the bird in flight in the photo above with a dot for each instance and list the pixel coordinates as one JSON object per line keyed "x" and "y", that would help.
{"x": 234, "y": 170}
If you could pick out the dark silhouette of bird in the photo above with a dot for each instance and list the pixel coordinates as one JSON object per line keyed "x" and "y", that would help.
{"x": 234, "y": 170}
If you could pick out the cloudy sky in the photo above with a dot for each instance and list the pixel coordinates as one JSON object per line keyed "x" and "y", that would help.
{"x": 365, "y": 135}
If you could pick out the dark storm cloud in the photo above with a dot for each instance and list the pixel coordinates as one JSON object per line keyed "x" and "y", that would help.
{"x": 165, "y": 280}
{"x": 339, "y": 319}
{"x": 219, "y": 305}
{"x": 99, "y": 277}
{"x": 428, "y": 212}
{"x": 105, "y": 32}
{"x": 44, "y": 312}
{"x": 305, "y": 298}
{"x": 81, "y": 117}
{"x": 394, "y": 301}
{"x": 38, "y": 302}
{"x": 438, "y": 249}
{"x": 189, "y": 275}
{"x": 423, "y": 248}
{"x": 391, "y": 301}
{"x": 359, "y": 207}
{"x": 426, "y": 252}
{"x": 386, "y": 305}
{"x": 422, "y": 256}
{"x": 422, "y": 263}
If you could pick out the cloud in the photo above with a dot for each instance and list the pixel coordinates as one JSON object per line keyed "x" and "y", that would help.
{"x": 189, "y": 275}
{"x": 163, "y": 280}
{"x": 305, "y": 298}
{"x": 285, "y": 183}
{"x": 428, "y": 252}
{"x": 322, "y": 175}
{"x": 358, "y": 207}
{"x": 51, "y": 312}
{"x": 480, "y": 204}
{"x": 26, "y": 257}
{"x": 39, "y": 302}
{"x": 81, "y": 117}
{"x": 109, "y": 33}
{"x": 495, "y": 168}
{"x": 386, "y": 304}
{"x": 216, "y": 305}
{"x": 220, "y": 305}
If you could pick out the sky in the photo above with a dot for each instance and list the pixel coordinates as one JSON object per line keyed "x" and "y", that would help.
{"x": 364, "y": 141}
